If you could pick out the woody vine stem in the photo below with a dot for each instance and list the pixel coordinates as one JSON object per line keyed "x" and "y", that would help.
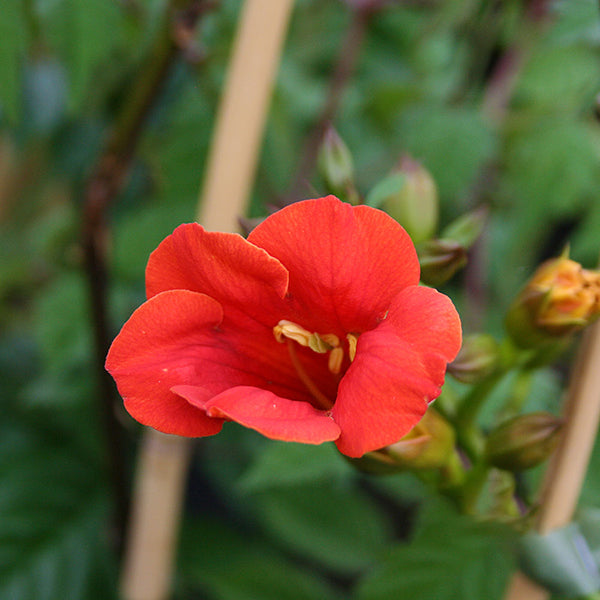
{"x": 102, "y": 187}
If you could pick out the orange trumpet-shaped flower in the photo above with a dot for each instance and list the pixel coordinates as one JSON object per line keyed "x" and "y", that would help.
{"x": 314, "y": 329}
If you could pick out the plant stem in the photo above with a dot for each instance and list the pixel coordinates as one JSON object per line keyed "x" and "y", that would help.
{"x": 102, "y": 186}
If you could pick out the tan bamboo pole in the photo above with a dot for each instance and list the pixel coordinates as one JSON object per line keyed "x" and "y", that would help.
{"x": 240, "y": 122}
{"x": 566, "y": 473}
{"x": 163, "y": 460}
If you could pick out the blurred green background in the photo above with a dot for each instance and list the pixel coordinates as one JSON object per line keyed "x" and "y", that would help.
{"x": 498, "y": 99}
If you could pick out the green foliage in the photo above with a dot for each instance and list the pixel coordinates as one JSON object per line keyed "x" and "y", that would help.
{"x": 450, "y": 558}
{"x": 53, "y": 506}
{"x": 268, "y": 519}
{"x": 220, "y": 562}
{"x": 87, "y": 33}
{"x": 13, "y": 41}
{"x": 345, "y": 539}
{"x": 282, "y": 464}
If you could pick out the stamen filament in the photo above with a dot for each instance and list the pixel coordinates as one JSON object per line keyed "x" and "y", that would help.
{"x": 321, "y": 401}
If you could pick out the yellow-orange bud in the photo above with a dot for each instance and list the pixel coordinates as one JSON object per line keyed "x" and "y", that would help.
{"x": 560, "y": 299}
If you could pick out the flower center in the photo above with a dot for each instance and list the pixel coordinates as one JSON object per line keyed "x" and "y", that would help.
{"x": 292, "y": 333}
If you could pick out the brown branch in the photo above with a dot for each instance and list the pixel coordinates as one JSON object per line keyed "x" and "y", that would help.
{"x": 343, "y": 71}
{"x": 103, "y": 185}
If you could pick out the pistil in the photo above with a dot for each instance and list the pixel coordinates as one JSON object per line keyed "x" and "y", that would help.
{"x": 321, "y": 400}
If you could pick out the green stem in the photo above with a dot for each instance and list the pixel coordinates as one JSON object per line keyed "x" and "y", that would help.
{"x": 520, "y": 391}
{"x": 471, "y": 490}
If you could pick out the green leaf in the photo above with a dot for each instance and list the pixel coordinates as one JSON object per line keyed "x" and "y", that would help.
{"x": 13, "y": 41}
{"x": 218, "y": 560}
{"x": 53, "y": 511}
{"x": 87, "y": 32}
{"x": 387, "y": 187}
{"x": 62, "y": 324}
{"x": 140, "y": 232}
{"x": 558, "y": 79}
{"x": 337, "y": 527}
{"x": 453, "y": 143}
{"x": 450, "y": 558}
{"x": 283, "y": 464}
{"x": 576, "y": 22}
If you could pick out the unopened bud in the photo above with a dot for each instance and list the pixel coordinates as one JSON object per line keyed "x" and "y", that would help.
{"x": 524, "y": 441}
{"x": 560, "y": 299}
{"x": 440, "y": 260}
{"x": 478, "y": 358}
{"x": 415, "y": 205}
{"x": 428, "y": 445}
{"x": 337, "y": 167}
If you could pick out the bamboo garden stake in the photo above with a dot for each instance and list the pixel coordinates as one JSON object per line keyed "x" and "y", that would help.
{"x": 163, "y": 460}
{"x": 566, "y": 473}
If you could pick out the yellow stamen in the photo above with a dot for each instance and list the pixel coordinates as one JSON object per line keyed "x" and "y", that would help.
{"x": 317, "y": 344}
{"x": 336, "y": 357}
{"x": 331, "y": 339}
{"x": 352, "y": 341}
{"x": 292, "y": 331}
{"x": 321, "y": 401}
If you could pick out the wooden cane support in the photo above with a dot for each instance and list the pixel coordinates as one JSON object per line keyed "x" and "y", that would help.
{"x": 566, "y": 472}
{"x": 160, "y": 480}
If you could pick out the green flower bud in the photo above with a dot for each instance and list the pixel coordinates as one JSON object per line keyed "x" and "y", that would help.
{"x": 415, "y": 206}
{"x": 440, "y": 260}
{"x": 524, "y": 441}
{"x": 428, "y": 445}
{"x": 478, "y": 358}
{"x": 337, "y": 167}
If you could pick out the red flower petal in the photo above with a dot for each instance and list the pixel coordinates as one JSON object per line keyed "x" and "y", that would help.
{"x": 383, "y": 395}
{"x": 223, "y": 266}
{"x": 175, "y": 339}
{"x": 272, "y": 416}
{"x": 157, "y": 349}
{"x": 428, "y": 321}
{"x": 346, "y": 263}
{"x": 399, "y": 368}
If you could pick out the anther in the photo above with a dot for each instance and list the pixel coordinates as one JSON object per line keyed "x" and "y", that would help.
{"x": 336, "y": 357}
{"x": 292, "y": 331}
{"x": 352, "y": 341}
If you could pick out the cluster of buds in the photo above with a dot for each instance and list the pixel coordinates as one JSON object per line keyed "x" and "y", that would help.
{"x": 560, "y": 299}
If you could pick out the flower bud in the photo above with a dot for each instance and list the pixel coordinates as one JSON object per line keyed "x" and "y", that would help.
{"x": 428, "y": 445}
{"x": 524, "y": 441}
{"x": 440, "y": 260}
{"x": 477, "y": 358}
{"x": 415, "y": 206}
{"x": 337, "y": 167}
{"x": 560, "y": 299}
